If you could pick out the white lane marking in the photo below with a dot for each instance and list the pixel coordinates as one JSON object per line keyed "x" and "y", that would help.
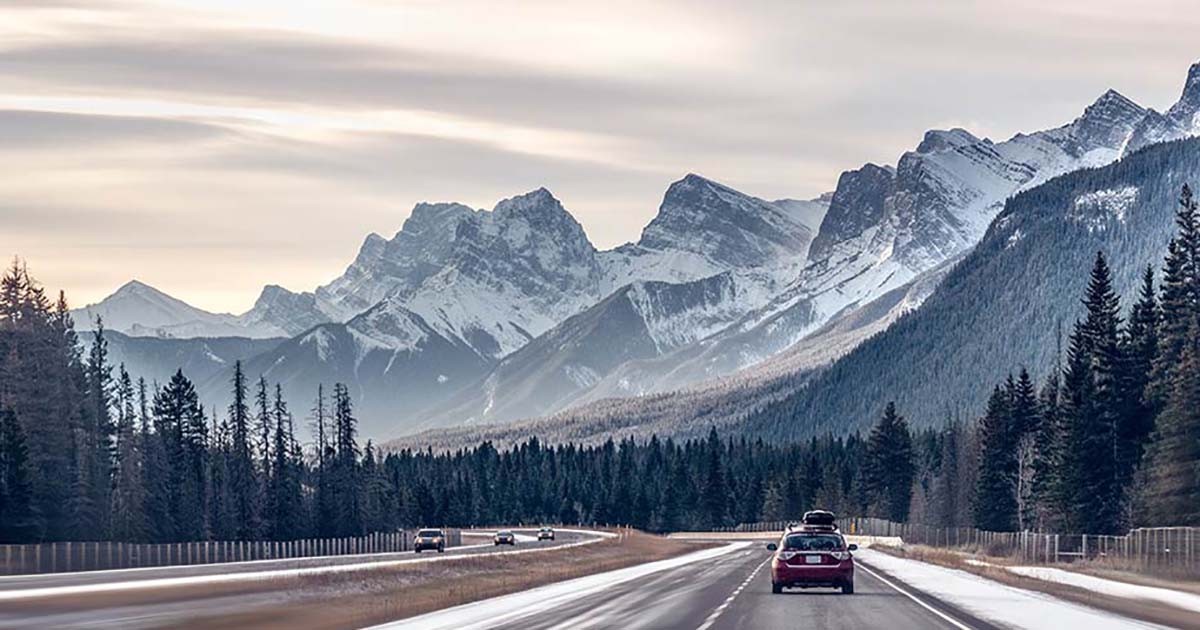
{"x": 251, "y": 576}
{"x": 948, "y": 619}
{"x": 729, "y": 600}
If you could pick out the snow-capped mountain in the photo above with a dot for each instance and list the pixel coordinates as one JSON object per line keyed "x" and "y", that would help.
{"x": 420, "y": 249}
{"x": 639, "y": 321}
{"x": 704, "y": 228}
{"x": 887, "y": 225}
{"x": 139, "y": 310}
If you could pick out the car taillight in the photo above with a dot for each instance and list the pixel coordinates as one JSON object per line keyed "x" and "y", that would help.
{"x": 787, "y": 555}
{"x": 840, "y": 555}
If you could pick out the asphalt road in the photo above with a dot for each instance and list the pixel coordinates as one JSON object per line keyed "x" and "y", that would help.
{"x": 733, "y": 591}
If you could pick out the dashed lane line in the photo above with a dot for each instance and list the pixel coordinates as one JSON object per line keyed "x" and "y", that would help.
{"x": 716, "y": 614}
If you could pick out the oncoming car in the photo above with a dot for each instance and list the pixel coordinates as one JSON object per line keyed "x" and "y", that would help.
{"x": 505, "y": 537}
{"x": 811, "y": 557}
{"x": 430, "y": 539}
{"x": 545, "y": 533}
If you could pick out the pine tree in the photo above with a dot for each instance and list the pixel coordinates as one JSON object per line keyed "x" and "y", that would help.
{"x": 995, "y": 505}
{"x": 345, "y": 474}
{"x": 1091, "y": 409}
{"x": 243, "y": 480}
{"x": 1026, "y": 423}
{"x": 714, "y": 494}
{"x": 284, "y": 498}
{"x": 17, "y": 523}
{"x": 128, "y": 495}
{"x": 889, "y": 469}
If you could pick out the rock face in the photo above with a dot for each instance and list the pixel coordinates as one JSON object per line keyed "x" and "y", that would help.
{"x": 704, "y": 228}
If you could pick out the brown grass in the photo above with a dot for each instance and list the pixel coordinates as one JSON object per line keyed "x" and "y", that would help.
{"x": 1153, "y": 612}
{"x": 361, "y": 598}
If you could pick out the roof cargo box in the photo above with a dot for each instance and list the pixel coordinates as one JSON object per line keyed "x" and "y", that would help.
{"x": 819, "y": 517}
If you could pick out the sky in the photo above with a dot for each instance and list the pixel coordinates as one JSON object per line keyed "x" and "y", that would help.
{"x": 211, "y": 147}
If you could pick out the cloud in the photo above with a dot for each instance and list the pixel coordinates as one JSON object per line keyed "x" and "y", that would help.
{"x": 178, "y": 135}
{"x": 24, "y": 129}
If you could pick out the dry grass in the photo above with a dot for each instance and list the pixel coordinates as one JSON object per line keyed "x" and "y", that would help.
{"x": 1153, "y": 612}
{"x": 372, "y": 596}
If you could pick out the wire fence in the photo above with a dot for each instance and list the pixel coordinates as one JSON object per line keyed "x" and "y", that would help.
{"x": 63, "y": 557}
{"x": 1168, "y": 551}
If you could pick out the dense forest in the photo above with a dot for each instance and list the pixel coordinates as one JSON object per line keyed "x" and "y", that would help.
{"x": 1110, "y": 439}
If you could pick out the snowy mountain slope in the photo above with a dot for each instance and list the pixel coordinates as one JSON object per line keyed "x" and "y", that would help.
{"x": 393, "y": 362}
{"x": 639, "y": 321}
{"x": 609, "y": 409}
{"x": 140, "y": 310}
{"x": 885, "y": 227}
{"x": 419, "y": 250}
{"x": 1001, "y": 308}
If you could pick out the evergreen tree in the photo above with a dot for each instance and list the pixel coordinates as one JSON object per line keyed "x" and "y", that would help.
{"x": 128, "y": 494}
{"x": 714, "y": 494}
{"x": 889, "y": 469}
{"x": 995, "y": 494}
{"x": 243, "y": 480}
{"x": 284, "y": 498}
{"x": 16, "y": 493}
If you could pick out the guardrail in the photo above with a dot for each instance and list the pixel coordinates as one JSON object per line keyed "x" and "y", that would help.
{"x": 1171, "y": 551}
{"x": 62, "y": 557}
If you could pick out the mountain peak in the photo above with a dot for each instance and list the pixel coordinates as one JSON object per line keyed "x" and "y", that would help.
{"x": 939, "y": 139}
{"x": 136, "y": 287}
{"x": 537, "y": 202}
{"x": 1112, "y": 103}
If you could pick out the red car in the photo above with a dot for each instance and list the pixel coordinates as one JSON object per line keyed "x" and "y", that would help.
{"x": 812, "y": 557}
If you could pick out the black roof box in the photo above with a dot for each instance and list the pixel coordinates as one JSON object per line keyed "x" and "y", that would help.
{"x": 819, "y": 517}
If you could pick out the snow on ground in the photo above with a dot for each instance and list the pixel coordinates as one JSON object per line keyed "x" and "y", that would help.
{"x": 508, "y": 608}
{"x": 1114, "y": 588}
{"x": 992, "y": 601}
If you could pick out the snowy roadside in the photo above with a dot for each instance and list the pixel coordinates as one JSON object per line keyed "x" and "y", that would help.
{"x": 1112, "y": 588}
{"x": 992, "y": 601}
{"x": 507, "y": 608}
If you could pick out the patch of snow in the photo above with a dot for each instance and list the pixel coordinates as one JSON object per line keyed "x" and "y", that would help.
{"x": 993, "y": 601}
{"x": 1113, "y": 588}
{"x": 1096, "y": 208}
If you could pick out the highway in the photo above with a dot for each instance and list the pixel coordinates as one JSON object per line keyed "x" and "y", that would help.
{"x": 733, "y": 591}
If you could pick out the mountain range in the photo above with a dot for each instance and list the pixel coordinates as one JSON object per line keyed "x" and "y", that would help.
{"x": 472, "y": 317}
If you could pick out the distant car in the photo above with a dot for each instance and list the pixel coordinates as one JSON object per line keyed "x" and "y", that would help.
{"x": 505, "y": 537}
{"x": 812, "y": 556}
{"x": 430, "y": 539}
{"x": 546, "y": 533}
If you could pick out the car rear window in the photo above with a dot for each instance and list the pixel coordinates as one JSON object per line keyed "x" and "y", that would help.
{"x": 813, "y": 542}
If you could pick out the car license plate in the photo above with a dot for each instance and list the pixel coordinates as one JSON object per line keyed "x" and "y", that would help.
{"x": 812, "y": 559}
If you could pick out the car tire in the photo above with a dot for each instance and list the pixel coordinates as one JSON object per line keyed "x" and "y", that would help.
{"x": 418, "y": 550}
{"x": 441, "y": 549}
{"x": 776, "y": 588}
{"x": 848, "y": 588}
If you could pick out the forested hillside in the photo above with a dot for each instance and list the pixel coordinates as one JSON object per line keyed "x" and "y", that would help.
{"x": 1009, "y": 304}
